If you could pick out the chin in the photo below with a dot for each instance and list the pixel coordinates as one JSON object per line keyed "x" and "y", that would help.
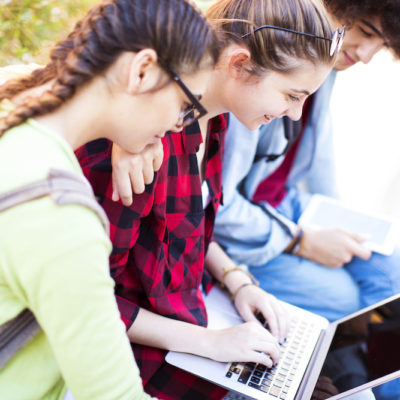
{"x": 251, "y": 125}
{"x": 134, "y": 149}
{"x": 341, "y": 65}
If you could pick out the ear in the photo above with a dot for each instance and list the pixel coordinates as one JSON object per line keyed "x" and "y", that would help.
{"x": 239, "y": 58}
{"x": 143, "y": 71}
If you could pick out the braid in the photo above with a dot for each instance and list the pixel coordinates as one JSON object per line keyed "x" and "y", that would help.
{"x": 110, "y": 28}
{"x": 31, "y": 108}
{"x": 70, "y": 71}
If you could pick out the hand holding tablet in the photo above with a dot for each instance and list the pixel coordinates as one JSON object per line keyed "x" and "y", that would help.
{"x": 381, "y": 233}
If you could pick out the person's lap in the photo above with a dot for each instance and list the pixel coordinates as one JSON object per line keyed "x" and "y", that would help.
{"x": 332, "y": 293}
{"x": 378, "y": 278}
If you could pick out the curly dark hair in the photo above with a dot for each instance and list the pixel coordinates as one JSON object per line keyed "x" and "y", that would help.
{"x": 387, "y": 10}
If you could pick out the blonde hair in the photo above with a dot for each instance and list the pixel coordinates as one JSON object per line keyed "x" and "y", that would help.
{"x": 273, "y": 49}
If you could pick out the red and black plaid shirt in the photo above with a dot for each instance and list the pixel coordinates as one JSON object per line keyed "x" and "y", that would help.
{"x": 159, "y": 243}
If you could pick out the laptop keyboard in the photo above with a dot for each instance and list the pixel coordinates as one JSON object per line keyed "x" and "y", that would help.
{"x": 277, "y": 380}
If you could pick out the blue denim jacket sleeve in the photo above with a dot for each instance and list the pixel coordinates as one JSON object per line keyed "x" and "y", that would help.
{"x": 320, "y": 175}
{"x": 244, "y": 229}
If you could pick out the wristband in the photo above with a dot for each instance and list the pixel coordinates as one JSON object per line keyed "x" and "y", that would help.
{"x": 294, "y": 245}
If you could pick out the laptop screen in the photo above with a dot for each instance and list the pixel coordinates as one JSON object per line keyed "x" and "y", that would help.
{"x": 365, "y": 347}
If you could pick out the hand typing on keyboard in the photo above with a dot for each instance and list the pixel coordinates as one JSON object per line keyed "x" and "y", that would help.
{"x": 277, "y": 381}
{"x": 252, "y": 301}
{"x": 248, "y": 342}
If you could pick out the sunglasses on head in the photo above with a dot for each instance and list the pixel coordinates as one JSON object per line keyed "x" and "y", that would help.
{"x": 336, "y": 39}
{"x": 193, "y": 111}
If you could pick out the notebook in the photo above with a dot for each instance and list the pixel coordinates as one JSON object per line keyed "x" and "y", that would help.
{"x": 324, "y": 212}
{"x": 310, "y": 344}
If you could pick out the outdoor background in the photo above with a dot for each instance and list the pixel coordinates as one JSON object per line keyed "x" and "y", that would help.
{"x": 365, "y": 103}
{"x": 366, "y": 111}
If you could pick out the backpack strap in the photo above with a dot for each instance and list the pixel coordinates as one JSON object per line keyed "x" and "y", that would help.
{"x": 63, "y": 187}
{"x": 16, "y": 333}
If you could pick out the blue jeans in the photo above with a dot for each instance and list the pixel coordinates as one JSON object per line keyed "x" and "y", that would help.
{"x": 388, "y": 391}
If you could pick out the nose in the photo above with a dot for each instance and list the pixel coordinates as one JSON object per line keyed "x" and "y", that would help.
{"x": 367, "y": 50}
{"x": 294, "y": 112}
{"x": 179, "y": 124}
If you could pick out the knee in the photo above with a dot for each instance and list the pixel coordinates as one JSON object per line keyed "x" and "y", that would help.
{"x": 342, "y": 300}
{"x": 382, "y": 272}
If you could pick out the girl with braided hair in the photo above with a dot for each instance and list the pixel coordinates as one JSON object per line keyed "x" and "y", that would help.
{"x": 129, "y": 71}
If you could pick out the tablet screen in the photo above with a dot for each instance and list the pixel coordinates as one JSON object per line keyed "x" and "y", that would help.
{"x": 329, "y": 215}
{"x": 324, "y": 212}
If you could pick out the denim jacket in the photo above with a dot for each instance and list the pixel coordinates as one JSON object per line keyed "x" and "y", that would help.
{"x": 255, "y": 233}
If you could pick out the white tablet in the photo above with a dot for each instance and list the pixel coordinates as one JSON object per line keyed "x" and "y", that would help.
{"x": 325, "y": 212}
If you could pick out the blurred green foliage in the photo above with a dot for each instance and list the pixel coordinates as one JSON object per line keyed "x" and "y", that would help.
{"x": 28, "y": 28}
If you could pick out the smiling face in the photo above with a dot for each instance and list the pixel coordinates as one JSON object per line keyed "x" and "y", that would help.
{"x": 363, "y": 39}
{"x": 275, "y": 94}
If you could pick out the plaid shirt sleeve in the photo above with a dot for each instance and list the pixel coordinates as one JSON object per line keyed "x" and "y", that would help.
{"x": 95, "y": 160}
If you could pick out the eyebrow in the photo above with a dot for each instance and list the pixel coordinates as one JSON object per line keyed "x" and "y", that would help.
{"x": 307, "y": 93}
{"x": 373, "y": 27}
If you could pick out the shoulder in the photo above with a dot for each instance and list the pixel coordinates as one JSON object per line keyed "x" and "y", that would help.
{"x": 28, "y": 153}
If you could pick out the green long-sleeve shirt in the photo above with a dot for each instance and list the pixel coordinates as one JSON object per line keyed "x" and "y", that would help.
{"x": 54, "y": 261}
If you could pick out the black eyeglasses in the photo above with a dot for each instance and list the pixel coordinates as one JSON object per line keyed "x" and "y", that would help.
{"x": 336, "y": 40}
{"x": 192, "y": 112}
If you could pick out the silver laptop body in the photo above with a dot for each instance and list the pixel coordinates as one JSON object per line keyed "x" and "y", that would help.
{"x": 303, "y": 355}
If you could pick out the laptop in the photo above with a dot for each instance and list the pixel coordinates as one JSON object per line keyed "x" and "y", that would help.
{"x": 325, "y": 212}
{"x": 311, "y": 342}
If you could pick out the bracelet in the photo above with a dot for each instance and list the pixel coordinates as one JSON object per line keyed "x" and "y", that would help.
{"x": 241, "y": 268}
{"x": 226, "y": 272}
{"x": 234, "y": 294}
{"x": 294, "y": 245}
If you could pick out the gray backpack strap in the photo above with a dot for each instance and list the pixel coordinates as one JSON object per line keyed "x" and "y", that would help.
{"x": 63, "y": 187}
{"x": 16, "y": 333}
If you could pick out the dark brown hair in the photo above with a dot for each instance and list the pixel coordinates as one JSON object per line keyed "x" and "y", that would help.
{"x": 388, "y": 12}
{"x": 175, "y": 29}
{"x": 273, "y": 49}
